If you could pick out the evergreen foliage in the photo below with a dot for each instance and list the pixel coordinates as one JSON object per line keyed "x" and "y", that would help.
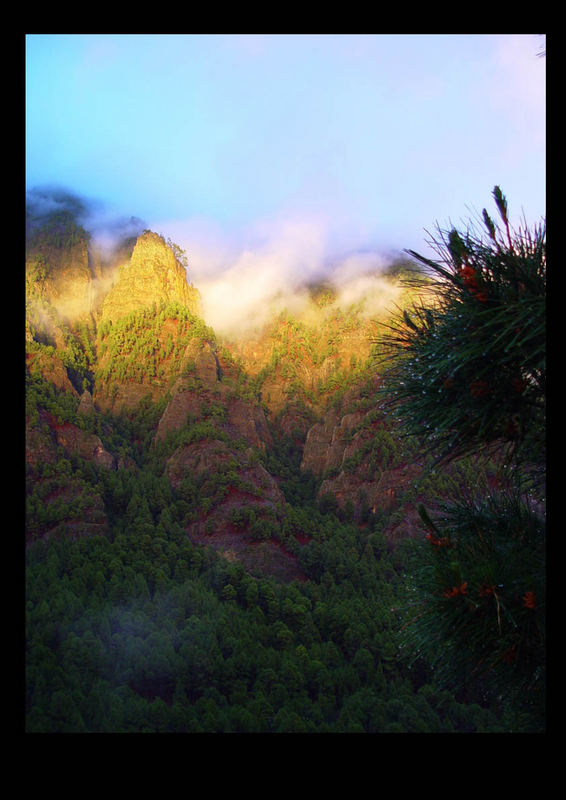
{"x": 466, "y": 374}
{"x": 137, "y": 346}
{"x": 466, "y": 366}
{"x": 143, "y": 631}
{"x": 479, "y": 597}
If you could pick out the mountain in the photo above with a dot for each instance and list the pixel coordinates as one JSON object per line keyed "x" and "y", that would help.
{"x": 58, "y": 273}
{"x": 227, "y": 531}
{"x": 218, "y": 527}
{"x": 152, "y": 275}
{"x": 220, "y": 407}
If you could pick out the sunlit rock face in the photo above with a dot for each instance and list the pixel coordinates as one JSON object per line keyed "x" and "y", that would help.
{"x": 152, "y": 275}
{"x": 60, "y": 277}
{"x": 52, "y": 370}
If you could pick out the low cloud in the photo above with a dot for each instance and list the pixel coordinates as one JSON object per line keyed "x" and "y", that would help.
{"x": 243, "y": 284}
{"x": 245, "y": 278}
{"x": 58, "y": 205}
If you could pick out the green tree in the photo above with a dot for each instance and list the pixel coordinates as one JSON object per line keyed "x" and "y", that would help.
{"x": 466, "y": 375}
{"x": 477, "y": 597}
{"x": 466, "y": 366}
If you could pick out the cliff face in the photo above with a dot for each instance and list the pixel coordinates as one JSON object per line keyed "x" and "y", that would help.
{"x": 62, "y": 504}
{"x": 362, "y": 464}
{"x": 60, "y": 277}
{"x": 52, "y": 369}
{"x": 152, "y": 275}
{"x": 240, "y": 506}
{"x": 225, "y": 409}
{"x": 143, "y": 360}
{"x": 308, "y": 357}
{"x": 205, "y": 390}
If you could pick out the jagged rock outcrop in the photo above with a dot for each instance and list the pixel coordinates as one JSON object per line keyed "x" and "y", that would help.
{"x": 364, "y": 494}
{"x": 239, "y": 507}
{"x": 194, "y": 394}
{"x": 299, "y": 369}
{"x": 128, "y": 396}
{"x": 184, "y": 403}
{"x": 86, "y": 404}
{"x": 205, "y": 361}
{"x": 326, "y": 442}
{"x": 44, "y": 438}
{"x": 240, "y": 419}
{"x": 232, "y": 479}
{"x": 152, "y": 275}
{"x": 86, "y": 445}
{"x": 247, "y": 420}
{"x": 329, "y": 442}
{"x": 52, "y": 369}
{"x": 150, "y": 280}
{"x": 363, "y": 465}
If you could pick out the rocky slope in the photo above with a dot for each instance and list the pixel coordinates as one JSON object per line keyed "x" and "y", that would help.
{"x": 151, "y": 279}
{"x": 363, "y": 465}
{"x": 304, "y": 377}
{"x": 206, "y": 388}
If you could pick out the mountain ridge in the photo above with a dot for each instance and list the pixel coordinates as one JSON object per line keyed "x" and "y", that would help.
{"x": 146, "y": 346}
{"x": 220, "y": 530}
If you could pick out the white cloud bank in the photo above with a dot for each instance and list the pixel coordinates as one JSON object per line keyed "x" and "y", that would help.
{"x": 243, "y": 281}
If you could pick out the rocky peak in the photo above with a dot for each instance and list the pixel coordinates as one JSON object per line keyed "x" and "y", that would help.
{"x": 152, "y": 275}
{"x": 86, "y": 404}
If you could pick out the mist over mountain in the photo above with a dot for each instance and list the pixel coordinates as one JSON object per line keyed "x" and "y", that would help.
{"x": 219, "y": 506}
{"x": 126, "y": 313}
{"x": 58, "y": 209}
{"x": 285, "y": 449}
{"x": 241, "y": 284}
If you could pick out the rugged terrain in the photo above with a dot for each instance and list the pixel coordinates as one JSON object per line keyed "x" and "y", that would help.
{"x": 219, "y": 527}
{"x": 121, "y": 340}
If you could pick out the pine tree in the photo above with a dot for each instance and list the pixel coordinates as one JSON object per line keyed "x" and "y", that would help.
{"x": 466, "y": 365}
{"x": 466, "y": 375}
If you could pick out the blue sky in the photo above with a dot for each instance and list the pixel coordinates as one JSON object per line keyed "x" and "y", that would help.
{"x": 228, "y": 142}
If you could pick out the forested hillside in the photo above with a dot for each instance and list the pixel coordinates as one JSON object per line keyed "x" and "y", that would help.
{"x": 278, "y": 532}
